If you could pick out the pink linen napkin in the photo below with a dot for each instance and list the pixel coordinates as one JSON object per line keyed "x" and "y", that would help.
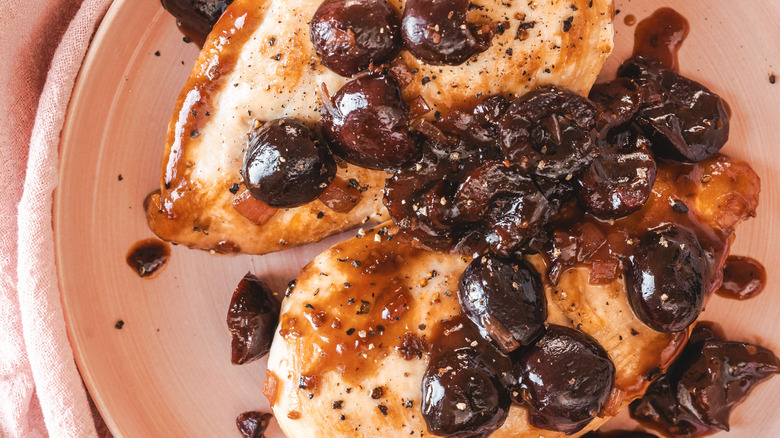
{"x": 42, "y": 45}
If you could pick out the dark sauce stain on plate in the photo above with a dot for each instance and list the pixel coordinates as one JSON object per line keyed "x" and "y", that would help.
{"x": 148, "y": 257}
{"x": 659, "y": 37}
{"x": 743, "y": 278}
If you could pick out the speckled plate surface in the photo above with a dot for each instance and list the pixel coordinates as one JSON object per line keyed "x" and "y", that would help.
{"x": 167, "y": 372}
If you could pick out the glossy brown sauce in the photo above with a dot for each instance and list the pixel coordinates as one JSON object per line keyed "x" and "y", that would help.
{"x": 630, "y": 20}
{"x": 457, "y": 333}
{"x": 359, "y": 321}
{"x": 660, "y": 36}
{"x": 743, "y": 278}
{"x": 193, "y": 107}
{"x": 148, "y": 257}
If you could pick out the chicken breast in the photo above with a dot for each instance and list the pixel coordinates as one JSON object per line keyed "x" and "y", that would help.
{"x": 258, "y": 65}
{"x": 360, "y": 315}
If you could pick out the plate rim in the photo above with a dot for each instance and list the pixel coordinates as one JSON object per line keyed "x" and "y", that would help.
{"x": 88, "y": 66}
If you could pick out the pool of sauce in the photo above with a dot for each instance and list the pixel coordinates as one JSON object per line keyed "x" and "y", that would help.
{"x": 660, "y": 36}
{"x": 148, "y": 257}
{"x": 354, "y": 324}
{"x": 743, "y": 278}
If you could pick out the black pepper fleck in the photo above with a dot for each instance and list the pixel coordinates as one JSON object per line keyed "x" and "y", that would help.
{"x": 119, "y": 324}
{"x": 290, "y": 287}
{"x": 567, "y": 24}
{"x": 679, "y": 207}
{"x": 365, "y": 306}
{"x": 233, "y": 189}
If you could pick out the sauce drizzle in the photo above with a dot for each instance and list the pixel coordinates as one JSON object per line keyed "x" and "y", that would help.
{"x": 660, "y": 36}
{"x": 148, "y": 257}
{"x": 743, "y": 278}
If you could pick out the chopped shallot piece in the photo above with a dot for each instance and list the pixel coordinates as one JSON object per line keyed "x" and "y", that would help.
{"x": 341, "y": 196}
{"x": 254, "y": 210}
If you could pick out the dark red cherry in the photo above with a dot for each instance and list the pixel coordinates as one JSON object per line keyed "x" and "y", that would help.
{"x": 618, "y": 101}
{"x": 285, "y": 165}
{"x": 366, "y": 123}
{"x": 666, "y": 279}
{"x": 349, "y": 35}
{"x": 688, "y": 122}
{"x": 486, "y": 183}
{"x": 462, "y": 396}
{"x": 566, "y": 379}
{"x": 251, "y": 319}
{"x": 699, "y": 391}
{"x": 505, "y": 299}
{"x": 253, "y": 424}
{"x": 419, "y": 195}
{"x": 620, "y": 180}
{"x": 437, "y": 32}
{"x": 550, "y": 132}
{"x": 479, "y": 128}
{"x": 506, "y": 201}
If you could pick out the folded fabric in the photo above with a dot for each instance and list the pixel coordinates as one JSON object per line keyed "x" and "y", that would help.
{"x": 42, "y": 46}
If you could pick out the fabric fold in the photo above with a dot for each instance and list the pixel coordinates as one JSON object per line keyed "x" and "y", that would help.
{"x": 42, "y": 392}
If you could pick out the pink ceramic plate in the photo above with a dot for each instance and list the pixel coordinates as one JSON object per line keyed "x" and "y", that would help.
{"x": 167, "y": 372}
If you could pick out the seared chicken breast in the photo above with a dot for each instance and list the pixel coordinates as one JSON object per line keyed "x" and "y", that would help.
{"x": 352, "y": 344}
{"x": 258, "y": 64}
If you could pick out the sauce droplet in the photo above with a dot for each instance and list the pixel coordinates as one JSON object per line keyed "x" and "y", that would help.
{"x": 630, "y": 20}
{"x": 659, "y": 37}
{"x": 743, "y": 278}
{"x": 148, "y": 257}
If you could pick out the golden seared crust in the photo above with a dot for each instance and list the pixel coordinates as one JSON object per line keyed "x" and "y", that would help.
{"x": 329, "y": 332}
{"x": 258, "y": 64}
